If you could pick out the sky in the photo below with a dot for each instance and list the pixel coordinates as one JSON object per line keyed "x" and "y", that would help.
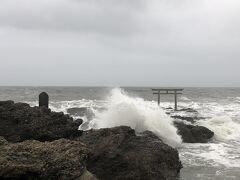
{"x": 120, "y": 43}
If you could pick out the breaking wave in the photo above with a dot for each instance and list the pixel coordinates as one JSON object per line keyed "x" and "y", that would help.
{"x": 224, "y": 128}
{"x": 141, "y": 115}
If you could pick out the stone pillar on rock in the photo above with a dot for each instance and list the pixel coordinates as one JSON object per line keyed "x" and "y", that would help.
{"x": 43, "y": 99}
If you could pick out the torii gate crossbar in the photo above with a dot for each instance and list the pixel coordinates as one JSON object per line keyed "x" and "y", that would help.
{"x": 174, "y": 92}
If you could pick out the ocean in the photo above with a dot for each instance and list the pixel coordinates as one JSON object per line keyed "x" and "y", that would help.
{"x": 217, "y": 108}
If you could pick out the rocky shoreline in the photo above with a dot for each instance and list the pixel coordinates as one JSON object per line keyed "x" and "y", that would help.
{"x": 36, "y": 143}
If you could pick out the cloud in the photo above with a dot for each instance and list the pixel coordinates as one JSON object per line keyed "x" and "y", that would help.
{"x": 122, "y": 41}
{"x": 113, "y": 17}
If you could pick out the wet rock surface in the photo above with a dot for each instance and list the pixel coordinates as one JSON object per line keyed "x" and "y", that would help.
{"x": 186, "y": 121}
{"x": 194, "y": 134}
{"x": 60, "y": 159}
{"x": 19, "y": 122}
{"x": 117, "y": 153}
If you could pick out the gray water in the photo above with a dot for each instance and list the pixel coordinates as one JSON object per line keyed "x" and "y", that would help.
{"x": 218, "y": 159}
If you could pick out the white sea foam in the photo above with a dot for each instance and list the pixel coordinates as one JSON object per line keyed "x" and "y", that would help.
{"x": 138, "y": 114}
{"x": 223, "y": 127}
{"x": 121, "y": 109}
{"x": 184, "y": 98}
{"x": 210, "y": 155}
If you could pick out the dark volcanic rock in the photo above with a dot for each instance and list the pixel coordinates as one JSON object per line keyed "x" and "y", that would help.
{"x": 194, "y": 134}
{"x": 19, "y": 122}
{"x": 60, "y": 159}
{"x": 111, "y": 153}
{"x": 78, "y": 121}
{"x": 117, "y": 153}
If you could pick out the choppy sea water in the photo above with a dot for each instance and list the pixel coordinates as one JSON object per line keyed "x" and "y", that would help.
{"x": 137, "y": 107}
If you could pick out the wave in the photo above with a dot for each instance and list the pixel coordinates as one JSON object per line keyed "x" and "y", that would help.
{"x": 223, "y": 127}
{"x": 210, "y": 155}
{"x": 137, "y": 113}
{"x": 184, "y": 98}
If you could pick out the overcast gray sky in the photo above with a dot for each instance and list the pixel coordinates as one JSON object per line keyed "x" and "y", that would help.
{"x": 120, "y": 42}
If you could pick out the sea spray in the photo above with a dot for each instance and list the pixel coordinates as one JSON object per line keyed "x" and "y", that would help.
{"x": 138, "y": 114}
{"x": 223, "y": 127}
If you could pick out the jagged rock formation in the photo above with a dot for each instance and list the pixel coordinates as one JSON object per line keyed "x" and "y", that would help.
{"x": 123, "y": 155}
{"x": 111, "y": 153}
{"x": 19, "y": 122}
{"x": 193, "y": 134}
{"x": 187, "y": 128}
{"x": 60, "y": 159}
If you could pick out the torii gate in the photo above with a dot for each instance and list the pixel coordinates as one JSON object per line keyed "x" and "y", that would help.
{"x": 175, "y": 92}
